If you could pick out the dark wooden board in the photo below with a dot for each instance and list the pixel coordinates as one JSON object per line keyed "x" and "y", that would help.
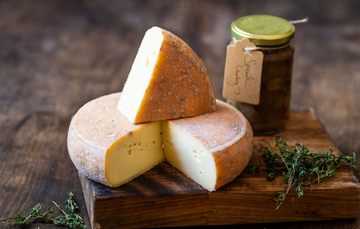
{"x": 164, "y": 197}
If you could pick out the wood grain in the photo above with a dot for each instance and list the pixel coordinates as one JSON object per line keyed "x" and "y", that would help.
{"x": 164, "y": 197}
{"x": 57, "y": 55}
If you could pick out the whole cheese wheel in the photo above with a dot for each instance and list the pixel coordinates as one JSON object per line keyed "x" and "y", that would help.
{"x": 167, "y": 81}
{"x": 109, "y": 149}
{"x": 211, "y": 149}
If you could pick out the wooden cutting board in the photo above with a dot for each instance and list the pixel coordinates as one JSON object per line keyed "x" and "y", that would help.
{"x": 164, "y": 197}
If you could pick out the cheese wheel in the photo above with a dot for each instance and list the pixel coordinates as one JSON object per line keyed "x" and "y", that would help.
{"x": 167, "y": 81}
{"x": 211, "y": 149}
{"x": 109, "y": 149}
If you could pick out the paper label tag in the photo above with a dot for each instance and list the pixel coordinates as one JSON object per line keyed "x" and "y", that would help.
{"x": 242, "y": 78}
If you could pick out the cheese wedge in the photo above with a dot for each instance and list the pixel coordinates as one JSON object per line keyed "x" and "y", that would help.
{"x": 167, "y": 81}
{"x": 211, "y": 149}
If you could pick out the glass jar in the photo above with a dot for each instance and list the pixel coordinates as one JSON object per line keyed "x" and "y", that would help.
{"x": 272, "y": 36}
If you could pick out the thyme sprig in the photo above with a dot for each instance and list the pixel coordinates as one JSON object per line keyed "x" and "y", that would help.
{"x": 300, "y": 168}
{"x": 254, "y": 169}
{"x": 70, "y": 220}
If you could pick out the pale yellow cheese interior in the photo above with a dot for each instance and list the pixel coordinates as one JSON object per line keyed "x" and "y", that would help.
{"x": 189, "y": 156}
{"x": 134, "y": 154}
{"x": 155, "y": 142}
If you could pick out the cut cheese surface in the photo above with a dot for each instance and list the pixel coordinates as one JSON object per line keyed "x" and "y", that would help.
{"x": 188, "y": 155}
{"x": 105, "y": 146}
{"x": 134, "y": 154}
{"x": 167, "y": 81}
{"x": 211, "y": 149}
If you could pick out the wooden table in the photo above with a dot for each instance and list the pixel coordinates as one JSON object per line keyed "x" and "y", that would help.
{"x": 57, "y": 55}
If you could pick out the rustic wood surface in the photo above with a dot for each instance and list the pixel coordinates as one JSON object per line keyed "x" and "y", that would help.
{"x": 164, "y": 197}
{"x": 57, "y": 55}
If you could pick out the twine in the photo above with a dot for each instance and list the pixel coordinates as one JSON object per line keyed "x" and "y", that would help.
{"x": 300, "y": 21}
{"x": 249, "y": 49}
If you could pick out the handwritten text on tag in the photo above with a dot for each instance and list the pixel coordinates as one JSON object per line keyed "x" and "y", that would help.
{"x": 242, "y": 79}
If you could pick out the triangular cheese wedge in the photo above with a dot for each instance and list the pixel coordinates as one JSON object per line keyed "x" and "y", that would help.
{"x": 167, "y": 81}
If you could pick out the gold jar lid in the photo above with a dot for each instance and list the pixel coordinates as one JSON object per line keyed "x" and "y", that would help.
{"x": 263, "y": 30}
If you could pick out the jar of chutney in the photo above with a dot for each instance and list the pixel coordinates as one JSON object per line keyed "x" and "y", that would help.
{"x": 272, "y": 36}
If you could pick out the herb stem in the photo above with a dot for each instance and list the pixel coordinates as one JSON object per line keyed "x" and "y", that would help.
{"x": 7, "y": 219}
{"x": 31, "y": 217}
{"x": 284, "y": 162}
{"x": 59, "y": 208}
{"x": 71, "y": 201}
{"x": 287, "y": 191}
{"x": 38, "y": 206}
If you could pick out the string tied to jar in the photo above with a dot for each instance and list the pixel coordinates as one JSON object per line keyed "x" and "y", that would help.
{"x": 249, "y": 49}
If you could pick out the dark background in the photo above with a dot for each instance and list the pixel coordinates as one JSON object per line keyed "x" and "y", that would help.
{"x": 57, "y": 55}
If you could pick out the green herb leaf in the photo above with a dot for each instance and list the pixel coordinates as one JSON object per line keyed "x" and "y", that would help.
{"x": 71, "y": 203}
{"x": 254, "y": 169}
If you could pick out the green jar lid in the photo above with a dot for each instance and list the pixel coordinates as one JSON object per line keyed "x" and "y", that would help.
{"x": 263, "y": 30}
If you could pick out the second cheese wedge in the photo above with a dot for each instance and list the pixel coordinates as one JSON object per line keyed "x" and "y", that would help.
{"x": 211, "y": 149}
{"x": 167, "y": 81}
